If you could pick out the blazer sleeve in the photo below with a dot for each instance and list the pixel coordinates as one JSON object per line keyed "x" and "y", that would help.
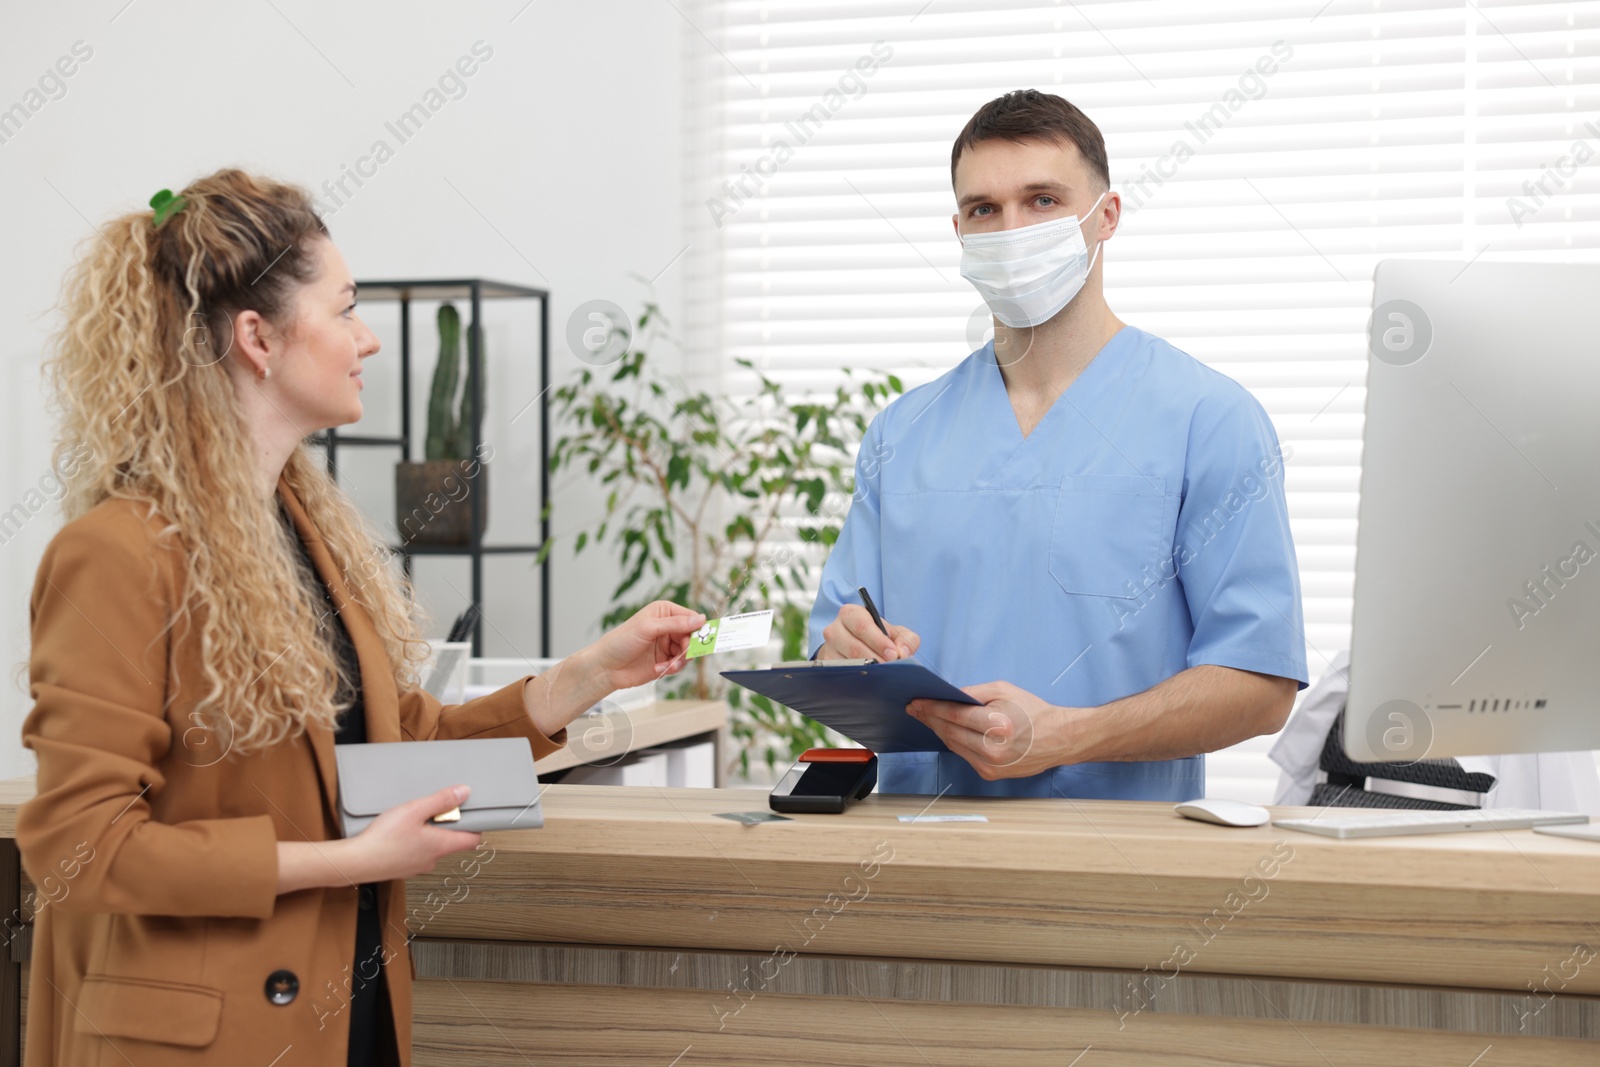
{"x": 100, "y": 612}
{"x": 500, "y": 714}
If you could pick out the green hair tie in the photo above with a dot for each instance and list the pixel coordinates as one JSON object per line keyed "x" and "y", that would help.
{"x": 166, "y": 205}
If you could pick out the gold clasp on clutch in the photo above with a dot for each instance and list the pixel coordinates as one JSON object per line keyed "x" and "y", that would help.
{"x": 453, "y": 815}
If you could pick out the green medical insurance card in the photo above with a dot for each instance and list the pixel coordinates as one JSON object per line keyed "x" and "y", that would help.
{"x": 750, "y": 630}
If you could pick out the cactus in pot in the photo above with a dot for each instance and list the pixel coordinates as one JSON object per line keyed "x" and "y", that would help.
{"x": 433, "y": 498}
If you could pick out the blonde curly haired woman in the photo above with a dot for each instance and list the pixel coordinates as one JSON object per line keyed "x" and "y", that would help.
{"x": 206, "y": 627}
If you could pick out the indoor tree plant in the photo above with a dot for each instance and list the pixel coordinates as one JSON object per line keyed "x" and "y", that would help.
{"x": 433, "y": 497}
{"x": 724, "y": 504}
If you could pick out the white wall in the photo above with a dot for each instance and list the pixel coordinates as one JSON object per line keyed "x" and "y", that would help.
{"x": 565, "y": 150}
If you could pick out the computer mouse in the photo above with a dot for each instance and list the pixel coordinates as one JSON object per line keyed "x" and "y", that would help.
{"x": 1223, "y": 812}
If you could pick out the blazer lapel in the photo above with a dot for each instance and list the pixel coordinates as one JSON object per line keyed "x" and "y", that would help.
{"x": 380, "y": 699}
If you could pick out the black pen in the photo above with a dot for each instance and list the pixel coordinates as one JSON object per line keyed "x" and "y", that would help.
{"x": 872, "y": 609}
{"x": 461, "y": 629}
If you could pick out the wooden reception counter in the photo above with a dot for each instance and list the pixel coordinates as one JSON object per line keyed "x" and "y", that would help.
{"x": 639, "y": 928}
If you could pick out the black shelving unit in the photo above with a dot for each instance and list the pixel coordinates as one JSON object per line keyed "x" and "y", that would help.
{"x": 474, "y": 291}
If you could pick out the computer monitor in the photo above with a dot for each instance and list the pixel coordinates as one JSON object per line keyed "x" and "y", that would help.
{"x": 1477, "y": 587}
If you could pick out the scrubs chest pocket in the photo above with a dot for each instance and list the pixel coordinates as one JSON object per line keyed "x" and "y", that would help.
{"x": 1109, "y": 529}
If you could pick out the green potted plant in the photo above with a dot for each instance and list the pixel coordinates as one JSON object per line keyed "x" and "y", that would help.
{"x": 725, "y": 504}
{"x": 433, "y": 497}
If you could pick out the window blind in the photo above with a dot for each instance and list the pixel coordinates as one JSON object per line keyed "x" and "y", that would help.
{"x": 1268, "y": 156}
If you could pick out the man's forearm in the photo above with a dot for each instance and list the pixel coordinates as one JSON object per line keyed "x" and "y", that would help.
{"x": 1200, "y": 709}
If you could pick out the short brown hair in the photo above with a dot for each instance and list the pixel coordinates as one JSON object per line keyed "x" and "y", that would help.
{"x": 1029, "y": 115}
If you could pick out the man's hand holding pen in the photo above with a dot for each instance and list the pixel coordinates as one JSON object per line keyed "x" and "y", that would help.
{"x": 859, "y": 632}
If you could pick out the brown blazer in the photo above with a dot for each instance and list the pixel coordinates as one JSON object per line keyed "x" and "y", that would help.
{"x": 165, "y": 923}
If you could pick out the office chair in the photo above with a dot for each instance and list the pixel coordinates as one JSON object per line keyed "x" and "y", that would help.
{"x": 1346, "y": 779}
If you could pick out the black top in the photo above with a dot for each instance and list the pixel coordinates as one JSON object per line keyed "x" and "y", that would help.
{"x": 365, "y": 982}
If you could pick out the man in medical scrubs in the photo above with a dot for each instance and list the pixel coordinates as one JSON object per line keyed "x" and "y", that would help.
{"x": 1080, "y": 525}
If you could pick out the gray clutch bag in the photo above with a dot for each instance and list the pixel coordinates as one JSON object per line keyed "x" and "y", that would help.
{"x": 505, "y": 788}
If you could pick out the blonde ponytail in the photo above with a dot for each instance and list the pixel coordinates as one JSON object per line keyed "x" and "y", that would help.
{"x": 137, "y": 374}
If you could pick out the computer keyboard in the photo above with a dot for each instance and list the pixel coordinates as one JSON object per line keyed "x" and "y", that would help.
{"x": 1365, "y": 822}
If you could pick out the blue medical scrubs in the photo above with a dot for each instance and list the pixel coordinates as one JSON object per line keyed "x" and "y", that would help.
{"x": 1139, "y": 530}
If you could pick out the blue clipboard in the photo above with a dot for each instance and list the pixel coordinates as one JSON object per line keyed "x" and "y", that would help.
{"x": 864, "y": 701}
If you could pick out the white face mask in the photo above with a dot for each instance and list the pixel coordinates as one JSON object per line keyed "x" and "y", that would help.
{"x": 1027, "y": 275}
